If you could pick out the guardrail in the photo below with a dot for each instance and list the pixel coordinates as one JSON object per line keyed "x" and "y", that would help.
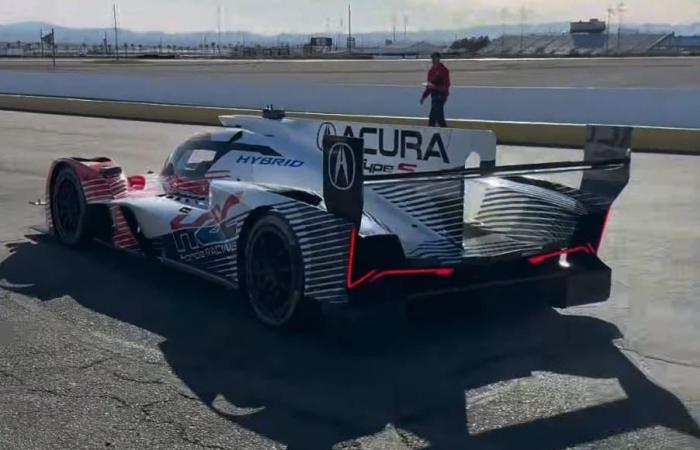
{"x": 646, "y": 139}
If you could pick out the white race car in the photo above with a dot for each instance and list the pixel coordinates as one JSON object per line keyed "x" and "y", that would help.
{"x": 297, "y": 213}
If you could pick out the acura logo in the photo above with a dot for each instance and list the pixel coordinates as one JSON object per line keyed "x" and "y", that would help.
{"x": 341, "y": 166}
{"x": 326, "y": 129}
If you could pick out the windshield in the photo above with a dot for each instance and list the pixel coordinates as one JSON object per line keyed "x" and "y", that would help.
{"x": 194, "y": 158}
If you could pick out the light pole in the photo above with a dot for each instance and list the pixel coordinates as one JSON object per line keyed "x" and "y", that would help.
{"x": 116, "y": 31}
{"x": 523, "y": 17}
{"x": 349, "y": 29}
{"x": 620, "y": 11}
{"x": 504, "y": 16}
{"x": 405, "y": 27}
{"x": 611, "y": 12}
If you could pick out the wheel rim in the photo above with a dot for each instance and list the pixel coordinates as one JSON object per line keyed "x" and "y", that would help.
{"x": 271, "y": 277}
{"x": 68, "y": 208}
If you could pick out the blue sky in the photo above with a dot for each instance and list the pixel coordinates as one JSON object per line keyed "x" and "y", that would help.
{"x": 273, "y": 16}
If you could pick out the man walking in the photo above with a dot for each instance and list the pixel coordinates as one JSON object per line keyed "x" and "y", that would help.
{"x": 438, "y": 87}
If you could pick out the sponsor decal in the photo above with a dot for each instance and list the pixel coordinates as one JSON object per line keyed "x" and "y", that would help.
{"x": 378, "y": 168}
{"x": 267, "y": 161}
{"x": 209, "y": 234}
{"x": 373, "y": 168}
{"x": 342, "y": 177}
{"x": 396, "y": 143}
{"x": 341, "y": 166}
{"x": 191, "y": 255}
{"x": 403, "y": 167}
{"x": 217, "y": 215}
{"x": 326, "y": 129}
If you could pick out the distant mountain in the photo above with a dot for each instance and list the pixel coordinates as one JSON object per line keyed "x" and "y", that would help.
{"x": 29, "y": 32}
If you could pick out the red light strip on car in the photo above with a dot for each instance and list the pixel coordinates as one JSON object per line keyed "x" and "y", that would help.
{"x": 353, "y": 284}
{"x": 440, "y": 272}
{"x": 604, "y": 229}
{"x": 588, "y": 248}
{"x": 373, "y": 275}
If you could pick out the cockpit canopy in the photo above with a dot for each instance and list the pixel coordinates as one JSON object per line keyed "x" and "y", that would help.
{"x": 193, "y": 158}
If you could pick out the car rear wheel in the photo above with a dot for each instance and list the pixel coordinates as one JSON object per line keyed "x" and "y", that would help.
{"x": 69, "y": 212}
{"x": 273, "y": 275}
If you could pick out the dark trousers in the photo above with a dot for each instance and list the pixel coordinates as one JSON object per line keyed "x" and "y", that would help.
{"x": 437, "y": 111}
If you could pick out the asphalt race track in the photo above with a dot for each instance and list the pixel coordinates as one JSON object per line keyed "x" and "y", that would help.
{"x": 644, "y": 72}
{"x": 100, "y": 350}
{"x": 625, "y": 91}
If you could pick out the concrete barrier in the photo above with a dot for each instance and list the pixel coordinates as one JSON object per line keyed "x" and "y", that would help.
{"x": 649, "y": 139}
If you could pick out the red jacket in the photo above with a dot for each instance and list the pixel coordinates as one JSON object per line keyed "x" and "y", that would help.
{"x": 440, "y": 77}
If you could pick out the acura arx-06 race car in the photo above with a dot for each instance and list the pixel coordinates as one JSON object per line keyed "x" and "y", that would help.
{"x": 298, "y": 213}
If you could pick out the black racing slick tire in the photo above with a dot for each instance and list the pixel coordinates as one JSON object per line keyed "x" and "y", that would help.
{"x": 69, "y": 211}
{"x": 273, "y": 275}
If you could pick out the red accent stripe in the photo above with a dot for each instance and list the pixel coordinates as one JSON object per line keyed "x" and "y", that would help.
{"x": 373, "y": 275}
{"x": 353, "y": 284}
{"x": 439, "y": 272}
{"x": 95, "y": 198}
{"x": 580, "y": 249}
{"x": 94, "y": 182}
{"x": 97, "y": 193}
{"x": 604, "y": 229}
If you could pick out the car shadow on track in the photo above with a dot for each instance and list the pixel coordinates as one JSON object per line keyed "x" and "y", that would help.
{"x": 357, "y": 373}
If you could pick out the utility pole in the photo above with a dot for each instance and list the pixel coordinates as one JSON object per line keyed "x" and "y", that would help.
{"x": 393, "y": 25}
{"x": 116, "y": 30}
{"x": 41, "y": 41}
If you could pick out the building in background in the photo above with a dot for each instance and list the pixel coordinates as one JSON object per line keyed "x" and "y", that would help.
{"x": 318, "y": 45}
{"x": 593, "y": 26}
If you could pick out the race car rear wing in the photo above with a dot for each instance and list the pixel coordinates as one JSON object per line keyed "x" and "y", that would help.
{"x": 605, "y": 165}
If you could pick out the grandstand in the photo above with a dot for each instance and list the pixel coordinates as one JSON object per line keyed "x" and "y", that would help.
{"x": 575, "y": 44}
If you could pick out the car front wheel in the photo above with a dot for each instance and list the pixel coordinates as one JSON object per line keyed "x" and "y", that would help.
{"x": 69, "y": 212}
